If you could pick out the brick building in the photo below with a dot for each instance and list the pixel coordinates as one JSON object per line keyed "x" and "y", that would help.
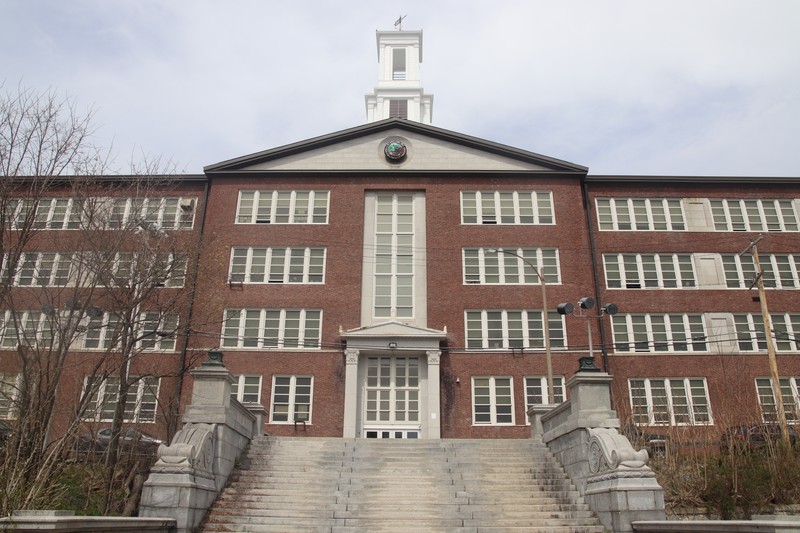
{"x": 384, "y": 282}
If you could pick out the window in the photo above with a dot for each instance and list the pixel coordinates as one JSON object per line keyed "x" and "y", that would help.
{"x": 9, "y": 389}
{"x": 659, "y": 333}
{"x": 754, "y": 215}
{"x": 55, "y": 213}
{"x": 282, "y": 207}
{"x": 129, "y": 269}
{"x": 640, "y": 214}
{"x": 507, "y": 207}
{"x": 750, "y": 334}
{"x": 43, "y": 269}
{"x": 291, "y": 399}
{"x": 492, "y": 401}
{"x": 497, "y": 329}
{"x": 394, "y": 256}
{"x": 247, "y": 389}
{"x": 670, "y": 401}
{"x": 29, "y": 328}
{"x": 158, "y": 331}
{"x": 484, "y": 267}
{"x": 141, "y": 404}
{"x": 272, "y": 328}
{"x": 649, "y": 271}
{"x": 151, "y": 213}
{"x": 766, "y": 399}
{"x": 537, "y": 393}
{"x": 399, "y": 64}
{"x": 101, "y": 331}
{"x": 277, "y": 265}
{"x": 398, "y": 108}
{"x": 781, "y": 271}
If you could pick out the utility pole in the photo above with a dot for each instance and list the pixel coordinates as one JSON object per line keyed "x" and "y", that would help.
{"x": 773, "y": 363}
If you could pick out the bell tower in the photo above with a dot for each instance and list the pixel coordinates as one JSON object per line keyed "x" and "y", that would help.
{"x": 399, "y": 93}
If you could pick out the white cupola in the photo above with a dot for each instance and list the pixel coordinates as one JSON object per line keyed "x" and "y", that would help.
{"x": 399, "y": 93}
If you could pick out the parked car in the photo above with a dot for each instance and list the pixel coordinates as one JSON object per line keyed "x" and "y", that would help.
{"x": 130, "y": 440}
{"x": 754, "y": 436}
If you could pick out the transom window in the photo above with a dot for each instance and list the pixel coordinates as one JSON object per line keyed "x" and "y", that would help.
{"x": 507, "y": 207}
{"x": 282, "y": 207}
{"x": 781, "y": 271}
{"x": 277, "y": 265}
{"x": 9, "y": 390}
{"x": 766, "y": 399}
{"x": 537, "y": 393}
{"x": 659, "y": 333}
{"x": 500, "y": 329}
{"x": 140, "y": 406}
{"x": 754, "y": 215}
{"x": 291, "y": 399}
{"x": 272, "y": 328}
{"x": 649, "y": 271}
{"x": 751, "y": 337}
{"x": 492, "y": 401}
{"x": 489, "y": 267}
{"x": 247, "y": 389}
{"x": 640, "y": 214}
{"x": 670, "y": 401}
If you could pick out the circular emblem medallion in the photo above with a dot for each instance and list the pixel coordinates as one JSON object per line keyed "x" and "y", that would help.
{"x": 395, "y": 151}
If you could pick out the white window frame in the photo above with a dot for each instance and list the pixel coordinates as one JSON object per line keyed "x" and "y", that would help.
{"x": 649, "y": 271}
{"x": 750, "y": 336}
{"x": 394, "y": 255}
{"x": 33, "y": 326}
{"x": 100, "y": 329}
{"x": 57, "y": 214}
{"x": 504, "y": 207}
{"x": 251, "y": 328}
{"x": 508, "y": 322}
{"x": 773, "y": 215}
{"x": 243, "y": 388}
{"x": 790, "y": 390}
{"x": 279, "y": 264}
{"x": 32, "y": 266}
{"x": 538, "y": 393}
{"x": 157, "y": 331}
{"x": 281, "y": 207}
{"x": 697, "y": 406}
{"x": 292, "y": 403}
{"x": 106, "y": 394}
{"x": 660, "y": 333}
{"x": 740, "y": 271}
{"x": 493, "y": 406}
{"x": 640, "y": 214}
{"x": 9, "y": 392}
{"x": 483, "y": 267}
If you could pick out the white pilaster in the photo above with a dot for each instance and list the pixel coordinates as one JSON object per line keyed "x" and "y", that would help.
{"x": 350, "y": 392}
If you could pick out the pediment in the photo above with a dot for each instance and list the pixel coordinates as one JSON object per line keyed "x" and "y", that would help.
{"x": 361, "y": 149}
{"x": 393, "y": 328}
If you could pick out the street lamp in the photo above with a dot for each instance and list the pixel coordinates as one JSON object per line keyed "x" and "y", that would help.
{"x": 586, "y": 364}
{"x": 545, "y": 320}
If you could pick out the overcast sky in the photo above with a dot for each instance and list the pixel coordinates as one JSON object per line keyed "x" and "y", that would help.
{"x": 682, "y": 87}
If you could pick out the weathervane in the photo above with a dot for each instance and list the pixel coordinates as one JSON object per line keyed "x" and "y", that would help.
{"x": 399, "y": 23}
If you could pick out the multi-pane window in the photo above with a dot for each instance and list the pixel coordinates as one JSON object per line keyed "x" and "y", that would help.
{"x": 486, "y": 266}
{"x": 157, "y": 331}
{"x": 247, "y": 389}
{"x": 26, "y": 327}
{"x": 507, "y": 207}
{"x": 392, "y": 390}
{"x": 394, "y": 256}
{"x": 754, "y": 215}
{"x": 781, "y": 271}
{"x": 649, "y": 271}
{"x": 57, "y": 213}
{"x": 492, "y": 400}
{"x": 640, "y": 214}
{"x": 291, "y": 399}
{"x": 659, "y": 333}
{"x": 102, "y": 331}
{"x": 277, "y": 265}
{"x": 670, "y": 401}
{"x": 43, "y": 269}
{"x": 750, "y": 334}
{"x": 9, "y": 389}
{"x": 129, "y": 269}
{"x": 272, "y": 328}
{"x": 766, "y": 399}
{"x": 537, "y": 393}
{"x": 140, "y": 405}
{"x": 498, "y": 329}
{"x": 151, "y": 213}
{"x": 282, "y": 207}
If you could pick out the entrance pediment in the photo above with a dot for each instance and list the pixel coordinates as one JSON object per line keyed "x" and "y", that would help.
{"x": 405, "y": 336}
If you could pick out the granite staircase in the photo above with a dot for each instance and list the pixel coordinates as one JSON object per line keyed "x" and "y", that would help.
{"x": 334, "y": 485}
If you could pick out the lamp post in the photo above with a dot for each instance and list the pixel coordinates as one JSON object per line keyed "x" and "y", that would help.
{"x": 586, "y": 364}
{"x": 545, "y": 320}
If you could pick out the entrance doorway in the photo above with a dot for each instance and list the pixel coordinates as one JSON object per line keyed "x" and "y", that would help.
{"x": 392, "y": 397}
